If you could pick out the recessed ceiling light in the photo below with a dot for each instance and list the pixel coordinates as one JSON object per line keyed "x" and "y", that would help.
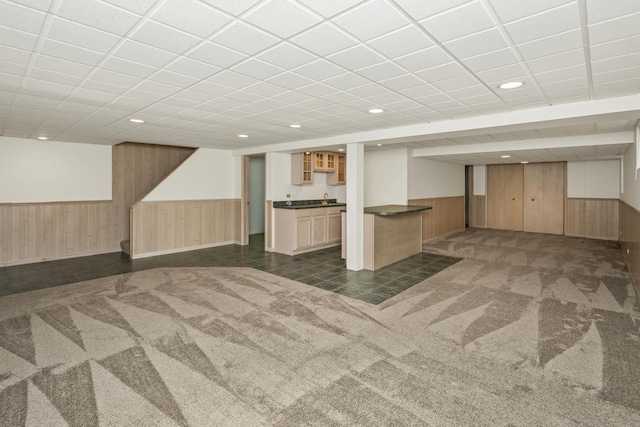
{"x": 42, "y": 138}
{"x": 307, "y": 152}
{"x": 510, "y": 85}
{"x": 340, "y": 149}
{"x": 295, "y": 126}
{"x": 525, "y": 162}
{"x": 376, "y": 110}
{"x": 506, "y": 156}
{"x": 379, "y": 145}
{"x": 136, "y": 120}
{"x": 243, "y": 136}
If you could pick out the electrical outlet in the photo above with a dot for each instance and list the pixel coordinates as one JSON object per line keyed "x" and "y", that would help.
{"x": 288, "y": 196}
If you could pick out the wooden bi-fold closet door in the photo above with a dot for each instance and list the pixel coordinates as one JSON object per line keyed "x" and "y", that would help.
{"x": 504, "y": 196}
{"x": 544, "y": 198}
{"x": 526, "y": 197}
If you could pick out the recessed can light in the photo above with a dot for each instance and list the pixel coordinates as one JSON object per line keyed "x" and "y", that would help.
{"x": 510, "y": 85}
{"x": 506, "y": 156}
{"x": 524, "y": 163}
{"x": 136, "y": 120}
{"x": 243, "y": 136}
{"x": 340, "y": 149}
{"x": 42, "y": 138}
{"x": 376, "y": 110}
{"x": 379, "y": 145}
{"x": 307, "y": 152}
{"x": 295, "y": 126}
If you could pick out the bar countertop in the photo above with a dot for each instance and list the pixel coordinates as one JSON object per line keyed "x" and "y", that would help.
{"x": 393, "y": 209}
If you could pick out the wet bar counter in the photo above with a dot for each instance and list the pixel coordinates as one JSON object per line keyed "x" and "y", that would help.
{"x": 391, "y": 233}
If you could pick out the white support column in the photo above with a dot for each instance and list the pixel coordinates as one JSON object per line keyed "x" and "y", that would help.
{"x": 355, "y": 206}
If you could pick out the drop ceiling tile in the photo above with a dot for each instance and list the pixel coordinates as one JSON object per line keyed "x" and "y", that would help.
{"x": 612, "y": 76}
{"x": 442, "y": 72}
{"x": 103, "y": 87}
{"x": 211, "y": 88}
{"x": 120, "y": 79}
{"x": 128, "y": 67}
{"x": 346, "y": 81}
{"x": 545, "y": 24}
{"x": 507, "y": 12}
{"x": 357, "y": 57}
{"x": 614, "y": 29}
{"x": 523, "y": 91}
{"x": 616, "y": 48}
{"x": 472, "y": 93}
{"x": 401, "y": 42}
{"x": 214, "y": 54}
{"x": 386, "y": 98}
{"x": 564, "y": 42}
{"x": 422, "y": 9}
{"x": 495, "y": 59}
{"x": 17, "y": 39}
{"x": 324, "y": 39}
{"x": 382, "y": 71}
{"x": 557, "y": 86}
{"x": 137, "y": 6}
{"x": 371, "y": 19}
{"x": 282, "y": 18}
{"x": 257, "y": 69}
{"x": 243, "y": 96}
{"x": 138, "y": 52}
{"x": 560, "y": 60}
{"x": 21, "y": 18}
{"x": 235, "y": 7}
{"x": 329, "y": 8}
{"x": 459, "y": 22}
{"x": 191, "y": 16}
{"x": 290, "y": 80}
{"x": 339, "y": 97}
{"x": 422, "y": 90}
{"x": 264, "y": 89}
{"x": 402, "y": 82}
{"x": 456, "y": 83}
{"x": 317, "y": 90}
{"x": 12, "y": 68}
{"x": 287, "y": 56}
{"x": 79, "y": 35}
{"x": 424, "y": 59}
{"x": 612, "y": 64}
{"x": 51, "y": 76}
{"x": 291, "y": 97}
{"x": 174, "y": 79}
{"x": 319, "y": 70}
{"x": 17, "y": 56}
{"x": 371, "y": 89}
{"x": 192, "y": 68}
{"x": 503, "y": 74}
{"x": 598, "y": 10}
{"x": 100, "y": 15}
{"x": 477, "y": 44}
{"x": 244, "y": 38}
{"x": 71, "y": 53}
{"x": 157, "y": 87}
{"x": 164, "y": 37}
{"x": 562, "y": 74}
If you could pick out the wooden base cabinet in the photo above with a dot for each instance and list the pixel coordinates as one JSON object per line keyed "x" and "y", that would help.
{"x": 298, "y": 231}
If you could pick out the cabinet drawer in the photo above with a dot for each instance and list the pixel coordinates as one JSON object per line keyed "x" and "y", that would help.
{"x": 300, "y": 213}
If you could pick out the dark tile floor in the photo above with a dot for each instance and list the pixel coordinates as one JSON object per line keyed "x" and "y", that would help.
{"x": 324, "y": 269}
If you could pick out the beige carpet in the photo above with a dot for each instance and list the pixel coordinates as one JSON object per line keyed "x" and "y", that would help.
{"x": 519, "y": 333}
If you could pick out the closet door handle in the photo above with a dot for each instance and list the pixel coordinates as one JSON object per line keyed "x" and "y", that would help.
{"x": 533, "y": 200}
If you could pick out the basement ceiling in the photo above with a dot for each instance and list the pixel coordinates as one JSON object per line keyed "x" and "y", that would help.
{"x": 200, "y": 73}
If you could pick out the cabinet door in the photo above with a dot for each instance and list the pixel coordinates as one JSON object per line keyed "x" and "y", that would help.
{"x": 504, "y": 197}
{"x": 544, "y": 198}
{"x": 307, "y": 168}
{"x": 319, "y": 161}
{"x": 335, "y": 227}
{"x": 330, "y": 162}
{"x": 340, "y": 169}
{"x": 303, "y": 232}
{"x": 319, "y": 229}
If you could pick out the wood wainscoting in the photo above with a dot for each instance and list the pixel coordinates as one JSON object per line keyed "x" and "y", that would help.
{"x": 176, "y": 226}
{"x": 43, "y": 231}
{"x": 478, "y": 212}
{"x": 592, "y": 218}
{"x": 446, "y": 217}
{"x": 630, "y": 240}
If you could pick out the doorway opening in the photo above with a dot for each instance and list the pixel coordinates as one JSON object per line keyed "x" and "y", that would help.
{"x": 256, "y": 194}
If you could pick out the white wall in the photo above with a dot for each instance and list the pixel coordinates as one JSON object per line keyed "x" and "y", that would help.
{"x": 430, "y": 178}
{"x": 279, "y": 182}
{"x": 599, "y": 179}
{"x": 50, "y": 171}
{"x": 385, "y": 177}
{"x": 479, "y": 180}
{"x": 631, "y": 194}
{"x": 207, "y": 174}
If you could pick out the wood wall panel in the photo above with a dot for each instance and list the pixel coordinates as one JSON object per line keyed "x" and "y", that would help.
{"x": 592, "y": 218}
{"x": 478, "y": 212}
{"x": 446, "y": 217}
{"x": 174, "y": 226}
{"x": 505, "y": 186}
{"x": 41, "y": 231}
{"x": 630, "y": 240}
{"x": 137, "y": 169}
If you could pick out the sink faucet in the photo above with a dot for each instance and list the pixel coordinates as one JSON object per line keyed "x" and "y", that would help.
{"x": 324, "y": 200}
